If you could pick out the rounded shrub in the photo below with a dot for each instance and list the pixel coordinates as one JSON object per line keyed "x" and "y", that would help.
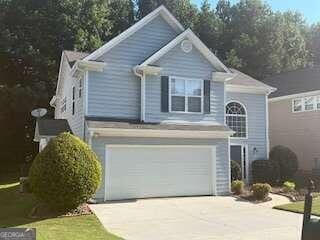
{"x": 265, "y": 171}
{"x": 237, "y": 187}
{"x": 260, "y": 191}
{"x": 287, "y": 160}
{"x": 288, "y": 186}
{"x": 235, "y": 171}
{"x": 66, "y": 173}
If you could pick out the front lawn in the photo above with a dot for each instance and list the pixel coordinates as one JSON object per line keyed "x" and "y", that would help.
{"x": 298, "y": 207}
{"x": 15, "y": 208}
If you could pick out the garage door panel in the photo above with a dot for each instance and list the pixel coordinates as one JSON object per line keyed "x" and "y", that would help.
{"x": 144, "y": 171}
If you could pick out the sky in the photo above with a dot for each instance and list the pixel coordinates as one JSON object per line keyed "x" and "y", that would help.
{"x": 309, "y": 8}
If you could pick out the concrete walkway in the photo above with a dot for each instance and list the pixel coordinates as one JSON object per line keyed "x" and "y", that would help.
{"x": 199, "y": 218}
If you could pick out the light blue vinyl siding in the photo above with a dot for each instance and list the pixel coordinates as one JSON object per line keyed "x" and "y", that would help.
{"x": 190, "y": 65}
{"x": 115, "y": 92}
{"x": 222, "y": 164}
{"x": 256, "y": 113}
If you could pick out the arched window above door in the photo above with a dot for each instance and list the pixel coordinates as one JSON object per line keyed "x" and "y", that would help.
{"x": 236, "y": 119}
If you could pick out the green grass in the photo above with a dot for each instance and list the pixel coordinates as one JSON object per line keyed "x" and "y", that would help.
{"x": 298, "y": 207}
{"x": 15, "y": 208}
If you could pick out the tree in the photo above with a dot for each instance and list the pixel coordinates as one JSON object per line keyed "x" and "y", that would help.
{"x": 33, "y": 35}
{"x": 183, "y": 10}
{"x": 313, "y": 43}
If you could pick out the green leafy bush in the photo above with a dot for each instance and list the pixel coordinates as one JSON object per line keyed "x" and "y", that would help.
{"x": 235, "y": 171}
{"x": 265, "y": 171}
{"x": 261, "y": 190}
{"x": 66, "y": 173}
{"x": 287, "y": 160}
{"x": 237, "y": 187}
{"x": 288, "y": 186}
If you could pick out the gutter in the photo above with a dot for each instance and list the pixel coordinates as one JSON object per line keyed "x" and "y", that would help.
{"x": 142, "y": 92}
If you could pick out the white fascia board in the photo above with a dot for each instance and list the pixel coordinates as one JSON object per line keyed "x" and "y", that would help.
{"x": 248, "y": 89}
{"x": 91, "y": 65}
{"x": 298, "y": 95}
{"x": 53, "y": 101}
{"x": 153, "y": 133}
{"x": 152, "y": 70}
{"x": 196, "y": 42}
{"x": 134, "y": 28}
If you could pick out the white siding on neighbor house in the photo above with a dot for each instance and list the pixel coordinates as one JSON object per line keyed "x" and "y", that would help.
{"x": 255, "y": 105}
{"x": 115, "y": 92}
{"x": 189, "y": 65}
{"x": 222, "y": 162}
{"x": 75, "y": 121}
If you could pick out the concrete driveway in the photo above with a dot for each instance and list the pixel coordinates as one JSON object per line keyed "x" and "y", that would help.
{"x": 199, "y": 218}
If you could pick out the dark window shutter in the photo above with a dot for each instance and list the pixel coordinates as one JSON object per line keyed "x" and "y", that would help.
{"x": 206, "y": 95}
{"x": 164, "y": 94}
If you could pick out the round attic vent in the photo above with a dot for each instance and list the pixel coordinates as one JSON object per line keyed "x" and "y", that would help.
{"x": 186, "y": 46}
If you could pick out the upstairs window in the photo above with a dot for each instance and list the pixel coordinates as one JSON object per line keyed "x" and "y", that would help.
{"x": 186, "y": 95}
{"x": 80, "y": 87}
{"x": 73, "y": 99}
{"x": 236, "y": 119}
{"x": 63, "y": 105}
{"x": 304, "y": 104}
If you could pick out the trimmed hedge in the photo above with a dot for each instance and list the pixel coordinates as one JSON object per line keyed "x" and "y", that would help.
{"x": 287, "y": 160}
{"x": 66, "y": 173}
{"x": 235, "y": 171}
{"x": 260, "y": 191}
{"x": 265, "y": 171}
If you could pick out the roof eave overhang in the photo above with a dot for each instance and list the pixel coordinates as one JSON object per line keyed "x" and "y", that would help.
{"x": 82, "y": 65}
{"x": 151, "y": 70}
{"x": 249, "y": 89}
{"x": 156, "y": 133}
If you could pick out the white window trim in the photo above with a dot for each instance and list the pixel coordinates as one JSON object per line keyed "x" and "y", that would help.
{"x": 303, "y": 100}
{"x": 225, "y": 119}
{"x": 185, "y": 95}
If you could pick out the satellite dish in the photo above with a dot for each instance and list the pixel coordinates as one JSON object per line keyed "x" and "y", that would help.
{"x": 39, "y": 112}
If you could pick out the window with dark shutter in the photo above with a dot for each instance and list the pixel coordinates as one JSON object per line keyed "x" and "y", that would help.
{"x": 164, "y": 94}
{"x": 206, "y": 93}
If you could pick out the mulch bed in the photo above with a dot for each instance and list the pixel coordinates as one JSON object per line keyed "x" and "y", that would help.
{"x": 294, "y": 196}
{"x": 43, "y": 211}
{"x": 248, "y": 196}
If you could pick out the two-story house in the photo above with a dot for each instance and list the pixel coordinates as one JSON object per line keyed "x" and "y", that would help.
{"x": 158, "y": 108}
{"x": 295, "y": 114}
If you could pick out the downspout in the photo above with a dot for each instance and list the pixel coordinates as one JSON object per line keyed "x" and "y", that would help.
{"x": 142, "y": 92}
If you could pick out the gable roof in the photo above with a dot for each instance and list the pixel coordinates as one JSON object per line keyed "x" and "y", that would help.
{"x": 246, "y": 80}
{"x": 162, "y": 10}
{"x": 73, "y": 56}
{"x": 217, "y": 64}
{"x": 295, "y": 82}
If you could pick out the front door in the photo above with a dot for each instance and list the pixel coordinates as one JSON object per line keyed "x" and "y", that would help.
{"x": 238, "y": 153}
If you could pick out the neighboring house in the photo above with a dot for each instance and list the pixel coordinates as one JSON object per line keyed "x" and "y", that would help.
{"x": 295, "y": 114}
{"x": 153, "y": 104}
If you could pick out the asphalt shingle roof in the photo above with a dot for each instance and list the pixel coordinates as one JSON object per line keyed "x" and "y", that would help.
{"x": 246, "y": 80}
{"x": 294, "y": 82}
{"x": 73, "y": 56}
{"x": 53, "y": 127}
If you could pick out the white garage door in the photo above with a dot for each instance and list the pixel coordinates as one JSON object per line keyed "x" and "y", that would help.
{"x": 159, "y": 171}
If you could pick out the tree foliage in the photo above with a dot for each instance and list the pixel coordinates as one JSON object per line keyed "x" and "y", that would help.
{"x": 246, "y": 35}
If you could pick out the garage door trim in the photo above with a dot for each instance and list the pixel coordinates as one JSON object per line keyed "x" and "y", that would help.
{"x": 107, "y": 169}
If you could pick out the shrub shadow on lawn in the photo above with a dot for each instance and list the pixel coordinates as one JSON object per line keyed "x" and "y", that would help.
{"x": 15, "y": 207}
